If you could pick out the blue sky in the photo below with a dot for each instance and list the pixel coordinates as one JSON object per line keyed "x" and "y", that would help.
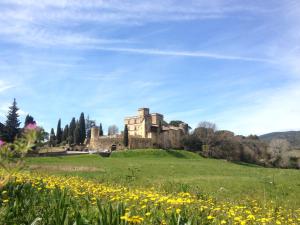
{"x": 232, "y": 62}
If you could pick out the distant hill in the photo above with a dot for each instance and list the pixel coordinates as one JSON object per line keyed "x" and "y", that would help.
{"x": 291, "y": 136}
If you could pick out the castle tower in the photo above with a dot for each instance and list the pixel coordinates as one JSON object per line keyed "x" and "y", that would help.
{"x": 94, "y": 133}
{"x": 184, "y": 127}
{"x": 143, "y": 112}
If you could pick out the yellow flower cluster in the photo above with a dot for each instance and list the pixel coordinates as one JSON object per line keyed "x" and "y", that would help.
{"x": 143, "y": 206}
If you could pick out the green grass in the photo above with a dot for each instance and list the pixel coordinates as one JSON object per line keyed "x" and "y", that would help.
{"x": 180, "y": 171}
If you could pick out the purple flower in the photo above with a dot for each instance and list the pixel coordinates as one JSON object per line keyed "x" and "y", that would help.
{"x": 1, "y": 142}
{"x": 31, "y": 126}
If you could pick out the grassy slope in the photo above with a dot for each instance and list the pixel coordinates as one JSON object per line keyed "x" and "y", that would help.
{"x": 180, "y": 171}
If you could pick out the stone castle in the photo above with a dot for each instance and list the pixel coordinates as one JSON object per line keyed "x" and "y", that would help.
{"x": 146, "y": 130}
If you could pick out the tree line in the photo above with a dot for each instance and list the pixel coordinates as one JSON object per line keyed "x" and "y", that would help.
{"x": 77, "y": 132}
{"x": 73, "y": 133}
{"x": 206, "y": 140}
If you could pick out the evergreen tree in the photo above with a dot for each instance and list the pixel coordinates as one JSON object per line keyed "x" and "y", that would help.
{"x": 89, "y": 124}
{"x": 2, "y": 131}
{"x": 82, "y": 131}
{"x": 77, "y": 137}
{"x": 100, "y": 130}
{"x": 52, "y": 138}
{"x": 126, "y": 139}
{"x": 72, "y": 130}
{"x": 12, "y": 123}
{"x": 58, "y": 132}
{"x": 28, "y": 120}
{"x": 65, "y": 135}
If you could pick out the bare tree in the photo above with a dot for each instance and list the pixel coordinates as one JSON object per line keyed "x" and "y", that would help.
{"x": 206, "y": 133}
{"x": 207, "y": 125}
{"x": 278, "y": 149}
{"x": 112, "y": 130}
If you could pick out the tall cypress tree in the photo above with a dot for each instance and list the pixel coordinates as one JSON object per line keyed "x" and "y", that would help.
{"x": 126, "y": 139}
{"x": 52, "y": 138}
{"x": 12, "y": 123}
{"x": 72, "y": 130}
{"x": 77, "y": 137}
{"x": 82, "y": 131}
{"x": 28, "y": 120}
{"x": 100, "y": 130}
{"x": 58, "y": 132}
{"x": 65, "y": 135}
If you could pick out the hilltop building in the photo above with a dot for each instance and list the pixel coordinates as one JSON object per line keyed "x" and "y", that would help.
{"x": 146, "y": 130}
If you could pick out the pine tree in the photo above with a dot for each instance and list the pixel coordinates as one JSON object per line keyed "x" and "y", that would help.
{"x": 58, "y": 132}
{"x": 100, "y": 130}
{"x": 52, "y": 138}
{"x": 126, "y": 139}
{"x": 65, "y": 135}
{"x": 77, "y": 137}
{"x": 28, "y": 120}
{"x": 72, "y": 130}
{"x": 12, "y": 123}
{"x": 82, "y": 131}
{"x": 2, "y": 131}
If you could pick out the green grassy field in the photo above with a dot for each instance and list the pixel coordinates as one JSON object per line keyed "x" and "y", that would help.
{"x": 179, "y": 171}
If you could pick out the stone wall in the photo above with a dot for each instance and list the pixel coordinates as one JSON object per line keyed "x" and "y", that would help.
{"x": 171, "y": 139}
{"x": 135, "y": 142}
{"x": 102, "y": 143}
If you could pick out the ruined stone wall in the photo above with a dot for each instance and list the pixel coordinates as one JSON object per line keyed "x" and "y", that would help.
{"x": 168, "y": 139}
{"x": 102, "y": 143}
{"x": 135, "y": 142}
{"x": 171, "y": 139}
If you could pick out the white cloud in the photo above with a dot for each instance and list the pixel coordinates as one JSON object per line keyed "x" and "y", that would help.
{"x": 4, "y": 109}
{"x": 5, "y": 86}
{"x": 269, "y": 111}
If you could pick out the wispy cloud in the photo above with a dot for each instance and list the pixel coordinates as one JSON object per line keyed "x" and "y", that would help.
{"x": 110, "y": 76}
{"x": 51, "y": 23}
{"x": 197, "y": 54}
{"x": 4, "y": 109}
{"x": 143, "y": 84}
{"x": 5, "y": 86}
{"x": 43, "y": 37}
{"x": 132, "y": 10}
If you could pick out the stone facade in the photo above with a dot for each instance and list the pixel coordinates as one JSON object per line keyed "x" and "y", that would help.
{"x": 152, "y": 126}
{"x": 145, "y": 131}
{"x": 105, "y": 142}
